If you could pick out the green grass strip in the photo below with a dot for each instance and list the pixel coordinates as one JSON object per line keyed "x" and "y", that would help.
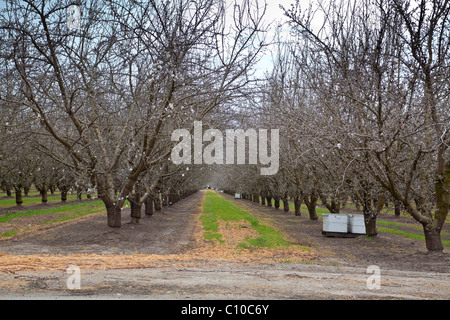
{"x": 398, "y": 224}
{"x": 321, "y": 211}
{"x": 409, "y": 235}
{"x": 216, "y": 207}
{"x": 35, "y": 200}
{"x": 8, "y": 234}
{"x": 9, "y": 216}
{"x": 77, "y": 213}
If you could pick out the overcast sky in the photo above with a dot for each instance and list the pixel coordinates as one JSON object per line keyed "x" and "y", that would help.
{"x": 274, "y": 15}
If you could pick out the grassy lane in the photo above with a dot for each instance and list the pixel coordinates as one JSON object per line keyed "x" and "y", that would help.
{"x": 216, "y": 209}
{"x": 10, "y": 202}
{"x": 412, "y": 235}
{"x": 382, "y": 225}
{"x": 49, "y": 216}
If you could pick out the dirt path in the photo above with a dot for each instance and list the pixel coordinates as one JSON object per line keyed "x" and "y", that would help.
{"x": 228, "y": 281}
{"x": 32, "y": 206}
{"x": 165, "y": 232}
{"x": 386, "y": 250}
{"x": 165, "y": 257}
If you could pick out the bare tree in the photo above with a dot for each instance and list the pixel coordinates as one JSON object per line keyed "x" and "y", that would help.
{"x": 384, "y": 89}
{"x": 109, "y": 90}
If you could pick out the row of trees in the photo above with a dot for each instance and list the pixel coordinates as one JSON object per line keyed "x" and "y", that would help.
{"x": 24, "y": 166}
{"x": 102, "y": 96}
{"x": 360, "y": 91}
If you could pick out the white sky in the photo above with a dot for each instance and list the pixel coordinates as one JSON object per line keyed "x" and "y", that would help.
{"x": 274, "y": 15}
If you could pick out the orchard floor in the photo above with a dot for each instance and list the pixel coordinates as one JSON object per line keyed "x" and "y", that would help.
{"x": 386, "y": 250}
{"x": 166, "y": 257}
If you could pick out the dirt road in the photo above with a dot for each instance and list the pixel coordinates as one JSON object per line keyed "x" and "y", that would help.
{"x": 229, "y": 281}
{"x": 160, "y": 259}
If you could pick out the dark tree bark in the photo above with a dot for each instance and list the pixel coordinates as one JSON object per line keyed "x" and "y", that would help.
{"x": 269, "y": 201}
{"x": 26, "y": 189}
{"x": 157, "y": 203}
{"x": 136, "y": 206}
{"x": 285, "y": 205}
{"x": 114, "y": 216}
{"x": 397, "y": 205}
{"x": 263, "y": 200}
{"x": 79, "y": 193}
{"x": 19, "y": 200}
{"x": 44, "y": 196}
{"x": 297, "y": 205}
{"x": 433, "y": 240}
{"x": 370, "y": 221}
{"x": 334, "y": 206}
{"x": 63, "y": 195}
{"x": 311, "y": 203}
{"x": 277, "y": 202}
{"x": 149, "y": 206}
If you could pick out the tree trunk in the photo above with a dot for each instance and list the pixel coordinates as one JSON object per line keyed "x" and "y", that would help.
{"x": 311, "y": 205}
{"x": 334, "y": 206}
{"x": 135, "y": 211}
{"x": 64, "y": 195}
{"x": 285, "y": 205}
{"x": 26, "y": 189}
{"x": 371, "y": 214}
{"x": 263, "y": 200}
{"x": 171, "y": 197}
{"x": 297, "y": 205}
{"x": 8, "y": 191}
{"x": 114, "y": 216}
{"x": 312, "y": 212}
{"x": 44, "y": 197}
{"x": 164, "y": 200}
{"x": 433, "y": 240}
{"x": 149, "y": 206}
{"x": 277, "y": 202}
{"x": 19, "y": 200}
{"x": 397, "y": 209}
{"x": 370, "y": 220}
{"x": 136, "y": 206}
{"x": 157, "y": 203}
{"x": 442, "y": 186}
{"x": 269, "y": 201}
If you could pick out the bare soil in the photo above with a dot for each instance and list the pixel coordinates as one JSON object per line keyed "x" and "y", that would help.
{"x": 386, "y": 250}
{"x": 166, "y": 257}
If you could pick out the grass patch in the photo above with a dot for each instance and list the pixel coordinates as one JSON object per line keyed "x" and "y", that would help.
{"x": 398, "y": 224}
{"x": 216, "y": 207}
{"x": 8, "y": 234}
{"x": 33, "y": 200}
{"x": 320, "y": 211}
{"x": 409, "y": 235}
{"x": 63, "y": 208}
{"x": 79, "y": 212}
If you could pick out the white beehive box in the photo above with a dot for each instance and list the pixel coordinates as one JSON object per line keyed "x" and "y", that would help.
{"x": 334, "y": 222}
{"x": 356, "y": 224}
{"x": 237, "y": 196}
